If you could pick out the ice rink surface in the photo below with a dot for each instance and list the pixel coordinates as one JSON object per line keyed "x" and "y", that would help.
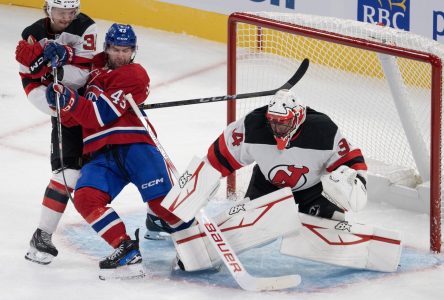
{"x": 180, "y": 67}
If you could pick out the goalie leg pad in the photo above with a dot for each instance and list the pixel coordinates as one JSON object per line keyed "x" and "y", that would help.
{"x": 196, "y": 185}
{"x": 245, "y": 226}
{"x": 344, "y": 244}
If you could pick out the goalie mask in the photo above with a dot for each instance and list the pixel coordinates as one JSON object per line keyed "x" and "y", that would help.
{"x": 285, "y": 114}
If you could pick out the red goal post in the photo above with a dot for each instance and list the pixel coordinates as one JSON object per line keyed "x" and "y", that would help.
{"x": 382, "y": 86}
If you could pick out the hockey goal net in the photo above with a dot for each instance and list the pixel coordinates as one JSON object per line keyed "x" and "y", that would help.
{"x": 383, "y": 87}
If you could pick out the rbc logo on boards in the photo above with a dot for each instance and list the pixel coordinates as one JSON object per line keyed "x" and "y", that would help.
{"x": 438, "y": 24}
{"x": 393, "y": 13}
{"x": 288, "y": 3}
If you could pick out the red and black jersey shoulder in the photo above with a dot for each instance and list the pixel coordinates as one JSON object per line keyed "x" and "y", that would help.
{"x": 79, "y": 25}
{"x": 317, "y": 132}
{"x": 41, "y": 28}
{"x": 257, "y": 130}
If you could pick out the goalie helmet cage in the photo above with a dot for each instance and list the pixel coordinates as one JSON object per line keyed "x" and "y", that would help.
{"x": 382, "y": 86}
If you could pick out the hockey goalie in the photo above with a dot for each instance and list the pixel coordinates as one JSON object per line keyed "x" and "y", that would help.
{"x": 307, "y": 178}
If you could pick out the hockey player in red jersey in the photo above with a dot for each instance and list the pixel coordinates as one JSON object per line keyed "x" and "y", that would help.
{"x": 71, "y": 36}
{"x": 294, "y": 146}
{"x": 119, "y": 147}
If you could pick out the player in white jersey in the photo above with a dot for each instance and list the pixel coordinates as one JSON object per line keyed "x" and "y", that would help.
{"x": 292, "y": 146}
{"x": 301, "y": 156}
{"x": 68, "y": 36}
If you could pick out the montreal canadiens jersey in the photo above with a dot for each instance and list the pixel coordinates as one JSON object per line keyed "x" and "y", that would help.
{"x": 316, "y": 148}
{"x": 81, "y": 35}
{"x": 105, "y": 115}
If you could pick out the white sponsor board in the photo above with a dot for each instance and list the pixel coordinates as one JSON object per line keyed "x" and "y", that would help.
{"x": 422, "y": 17}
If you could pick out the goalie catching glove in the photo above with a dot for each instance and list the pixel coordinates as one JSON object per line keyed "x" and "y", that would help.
{"x": 345, "y": 189}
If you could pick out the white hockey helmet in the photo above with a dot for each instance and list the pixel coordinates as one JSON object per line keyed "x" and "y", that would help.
{"x": 62, "y": 4}
{"x": 285, "y": 114}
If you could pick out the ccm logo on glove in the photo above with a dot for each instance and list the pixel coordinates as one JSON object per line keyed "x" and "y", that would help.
{"x": 67, "y": 97}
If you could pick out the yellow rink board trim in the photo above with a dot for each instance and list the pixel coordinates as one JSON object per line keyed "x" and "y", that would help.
{"x": 152, "y": 14}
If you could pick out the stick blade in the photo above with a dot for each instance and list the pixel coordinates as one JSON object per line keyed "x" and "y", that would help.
{"x": 257, "y": 284}
{"x": 298, "y": 75}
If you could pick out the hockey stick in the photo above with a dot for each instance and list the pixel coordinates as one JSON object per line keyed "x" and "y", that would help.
{"x": 288, "y": 85}
{"x": 59, "y": 127}
{"x": 234, "y": 265}
{"x": 147, "y": 126}
{"x": 217, "y": 239}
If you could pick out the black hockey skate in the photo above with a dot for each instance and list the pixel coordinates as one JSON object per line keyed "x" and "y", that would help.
{"x": 124, "y": 263}
{"x": 41, "y": 250}
{"x": 156, "y": 229}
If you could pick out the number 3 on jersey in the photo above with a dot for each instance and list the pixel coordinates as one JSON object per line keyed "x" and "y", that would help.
{"x": 344, "y": 147}
{"x": 118, "y": 99}
{"x": 89, "y": 42}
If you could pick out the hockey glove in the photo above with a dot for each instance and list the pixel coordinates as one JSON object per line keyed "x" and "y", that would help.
{"x": 68, "y": 98}
{"x": 30, "y": 54}
{"x": 26, "y": 53}
{"x": 343, "y": 188}
{"x": 62, "y": 53}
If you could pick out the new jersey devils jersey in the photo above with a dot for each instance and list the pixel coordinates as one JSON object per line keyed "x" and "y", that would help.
{"x": 104, "y": 113}
{"x": 316, "y": 148}
{"x": 81, "y": 35}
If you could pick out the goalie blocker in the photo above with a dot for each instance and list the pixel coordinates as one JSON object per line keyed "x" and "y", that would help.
{"x": 196, "y": 186}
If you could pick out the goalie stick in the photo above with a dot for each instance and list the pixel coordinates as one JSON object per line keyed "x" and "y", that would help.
{"x": 300, "y": 72}
{"x": 234, "y": 265}
{"x": 226, "y": 253}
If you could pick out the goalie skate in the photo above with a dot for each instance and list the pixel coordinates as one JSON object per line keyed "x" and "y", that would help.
{"x": 41, "y": 249}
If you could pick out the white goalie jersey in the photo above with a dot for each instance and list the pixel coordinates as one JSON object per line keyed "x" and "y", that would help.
{"x": 317, "y": 148}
